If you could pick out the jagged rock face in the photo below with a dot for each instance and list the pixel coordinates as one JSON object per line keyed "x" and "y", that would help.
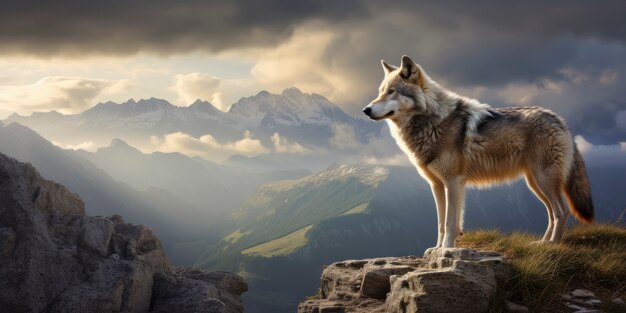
{"x": 445, "y": 280}
{"x": 53, "y": 258}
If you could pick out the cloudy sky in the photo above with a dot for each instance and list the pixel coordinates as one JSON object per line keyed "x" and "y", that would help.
{"x": 66, "y": 55}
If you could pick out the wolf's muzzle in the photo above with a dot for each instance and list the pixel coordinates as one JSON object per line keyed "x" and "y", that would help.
{"x": 367, "y": 111}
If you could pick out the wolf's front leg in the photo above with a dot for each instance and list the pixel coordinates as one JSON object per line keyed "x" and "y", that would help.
{"x": 455, "y": 195}
{"x": 439, "y": 193}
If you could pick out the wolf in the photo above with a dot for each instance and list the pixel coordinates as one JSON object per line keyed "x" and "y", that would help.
{"x": 455, "y": 142}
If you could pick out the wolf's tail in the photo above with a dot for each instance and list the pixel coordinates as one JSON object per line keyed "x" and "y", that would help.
{"x": 578, "y": 191}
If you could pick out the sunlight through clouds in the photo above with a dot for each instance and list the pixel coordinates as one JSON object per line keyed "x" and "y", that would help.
{"x": 207, "y": 146}
{"x": 222, "y": 93}
{"x": 282, "y": 145}
{"x": 87, "y": 146}
{"x": 193, "y": 86}
{"x": 298, "y": 63}
{"x": 59, "y": 93}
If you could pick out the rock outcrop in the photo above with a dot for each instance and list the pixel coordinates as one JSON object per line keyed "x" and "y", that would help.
{"x": 54, "y": 258}
{"x": 585, "y": 301}
{"x": 445, "y": 280}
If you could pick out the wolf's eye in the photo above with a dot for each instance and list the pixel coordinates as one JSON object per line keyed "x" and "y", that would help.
{"x": 390, "y": 91}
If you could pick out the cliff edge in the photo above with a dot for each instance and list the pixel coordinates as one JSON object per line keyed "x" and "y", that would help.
{"x": 54, "y": 258}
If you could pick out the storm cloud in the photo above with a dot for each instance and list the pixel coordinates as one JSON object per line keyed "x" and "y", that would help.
{"x": 78, "y": 28}
{"x": 166, "y": 27}
{"x": 564, "y": 55}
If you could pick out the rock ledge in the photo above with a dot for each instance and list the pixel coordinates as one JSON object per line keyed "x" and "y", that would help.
{"x": 445, "y": 280}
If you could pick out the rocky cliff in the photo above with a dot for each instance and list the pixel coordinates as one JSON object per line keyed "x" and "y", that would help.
{"x": 54, "y": 258}
{"x": 445, "y": 280}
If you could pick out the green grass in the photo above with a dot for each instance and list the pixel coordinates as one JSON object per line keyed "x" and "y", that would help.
{"x": 591, "y": 257}
{"x": 361, "y": 208}
{"x": 235, "y": 236}
{"x": 281, "y": 246}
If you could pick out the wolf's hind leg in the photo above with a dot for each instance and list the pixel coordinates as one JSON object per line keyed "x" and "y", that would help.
{"x": 560, "y": 218}
{"x": 532, "y": 184}
{"x": 550, "y": 185}
{"x": 460, "y": 212}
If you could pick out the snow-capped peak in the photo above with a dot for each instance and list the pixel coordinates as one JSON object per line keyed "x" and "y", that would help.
{"x": 293, "y": 93}
{"x": 204, "y": 106}
{"x": 367, "y": 174}
{"x": 291, "y": 106}
{"x": 117, "y": 143}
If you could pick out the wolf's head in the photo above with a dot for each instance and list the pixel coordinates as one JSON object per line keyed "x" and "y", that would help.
{"x": 402, "y": 93}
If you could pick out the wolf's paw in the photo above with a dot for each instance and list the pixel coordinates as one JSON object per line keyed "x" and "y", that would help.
{"x": 539, "y": 242}
{"x": 429, "y": 251}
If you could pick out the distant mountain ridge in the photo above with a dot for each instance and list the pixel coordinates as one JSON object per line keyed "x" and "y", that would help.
{"x": 305, "y": 118}
{"x": 206, "y": 185}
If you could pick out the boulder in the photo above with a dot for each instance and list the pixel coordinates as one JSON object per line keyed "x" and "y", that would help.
{"x": 96, "y": 235}
{"x": 582, "y": 293}
{"x": 512, "y": 307}
{"x": 463, "y": 287}
{"x": 360, "y": 285}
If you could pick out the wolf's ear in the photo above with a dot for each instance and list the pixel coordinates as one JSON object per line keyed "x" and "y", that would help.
{"x": 412, "y": 72}
{"x": 386, "y": 67}
{"x": 409, "y": 68}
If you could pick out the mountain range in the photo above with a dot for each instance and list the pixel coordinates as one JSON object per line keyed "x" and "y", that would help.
{"x": 307, "y": 119}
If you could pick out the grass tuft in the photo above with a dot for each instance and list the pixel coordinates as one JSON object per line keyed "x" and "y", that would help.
{"x": 590, "y": 256}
